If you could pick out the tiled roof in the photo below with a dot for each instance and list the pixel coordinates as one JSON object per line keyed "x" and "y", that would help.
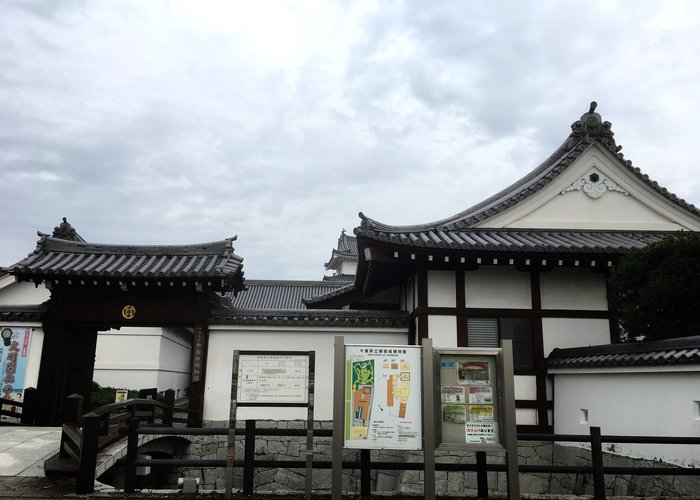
{"x": 310, "y": 318}
{"x": 346, "y": 250}
{"x": 343, "y": 290}
{"x": 281, "y": 294}
{"x": 523, "y": 240}
{"x": 10, "y": 313}
{"x": 345, "y": 278}
{"x": 56, "y": 259}
{"x": 677, "y": 351}
{"x": 585, "y": 131}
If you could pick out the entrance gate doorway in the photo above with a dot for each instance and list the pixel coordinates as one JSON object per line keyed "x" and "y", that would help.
{"x": 97, "y": 287}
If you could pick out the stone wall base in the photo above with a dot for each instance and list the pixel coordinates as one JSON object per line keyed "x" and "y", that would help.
{"x": 411, "y": 482}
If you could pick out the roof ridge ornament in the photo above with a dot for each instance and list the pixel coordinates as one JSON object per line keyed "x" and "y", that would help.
{"x": 64, "y": 231}
{"x": 592, "y": 124}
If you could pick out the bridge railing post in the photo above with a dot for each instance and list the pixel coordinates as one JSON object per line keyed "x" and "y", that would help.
{"x": 169, "y": 407}
{"x": 131, "y": 454}
{"x": 88, "y": 453}
{"x": 73, "y": 409}
{"x": 29, "y": 403}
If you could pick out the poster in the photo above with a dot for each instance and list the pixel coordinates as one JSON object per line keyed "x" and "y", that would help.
{"x": 480, "y": 432}
{"x": 451, "y": 394}
{"x": 474, "y": 372}
{"x": 480, "y": 395}
{"x": 273, "y": 378}
{"x": 14, "y": 353}
{"x": 454, "y": 414}
{"x": 383, "y": 397}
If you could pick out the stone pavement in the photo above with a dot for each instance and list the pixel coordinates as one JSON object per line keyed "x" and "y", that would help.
{"x": 23, "y": 450}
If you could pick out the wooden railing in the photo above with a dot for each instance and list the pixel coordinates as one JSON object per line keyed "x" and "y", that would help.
{"x": 83, "y": 436}
{"x": 27, "y": 405}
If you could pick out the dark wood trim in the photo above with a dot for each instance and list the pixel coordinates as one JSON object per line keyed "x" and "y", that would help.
{"x": 523, "y": 313}
{"x": 461, "y": 298}
{"x": 422, "y": 284}
{"x": 538, "y": 350}
{"x": 533, "y": 404}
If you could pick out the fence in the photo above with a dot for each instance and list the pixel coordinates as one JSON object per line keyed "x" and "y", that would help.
{"x": 597, "y": 469}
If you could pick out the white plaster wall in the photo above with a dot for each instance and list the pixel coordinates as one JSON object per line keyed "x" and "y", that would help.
{"x": 441, "y": 289}
{"x": 141, "y": 358}
{"x": 443, "y": 330}
{"x": 642, "y": 209}
{"x": 648, "y": 403}
{"x": 496, "y": 286}
{"x": 574, "y": 332}
{"x": 525, "y": 387}
{"x": 22, "y": 293}
{"x": 579, "y": 289}
{"x": 36, "y": 344}
{"x": 348, "y": 267}
{"x": 223, "y": 341}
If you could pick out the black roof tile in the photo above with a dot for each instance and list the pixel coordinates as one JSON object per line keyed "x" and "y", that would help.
{"x": 684, "y": 350}
{"x": 281, "y": 294}
{"x": 56, "y": 258}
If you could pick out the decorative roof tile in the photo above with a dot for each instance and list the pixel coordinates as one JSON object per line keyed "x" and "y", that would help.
{"x": 685, "y": 350}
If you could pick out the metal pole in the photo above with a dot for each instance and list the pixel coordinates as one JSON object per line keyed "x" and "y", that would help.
{"x": 509, "y": 421}
{"x": 310, "y": 426}
{"x": 232, "y": 427}
{"x": 428, "y": 420}
{"x": 338, "y": 418}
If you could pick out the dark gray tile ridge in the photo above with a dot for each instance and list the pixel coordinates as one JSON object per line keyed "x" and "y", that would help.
{"x": 334, "y": 293}
{"x": 682, "y": 350}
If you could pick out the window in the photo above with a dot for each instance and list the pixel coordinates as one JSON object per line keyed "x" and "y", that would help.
{"x": 488, "y": 332}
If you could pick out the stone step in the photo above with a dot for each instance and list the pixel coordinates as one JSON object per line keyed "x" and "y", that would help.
{"x": 57, "y": 466}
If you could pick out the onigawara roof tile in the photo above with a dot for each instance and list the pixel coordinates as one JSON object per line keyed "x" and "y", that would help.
{"x": 677, "y": 351}
{"x": 281, "y": 294}
{"x": 587, "y": 130}
{"x": 58, "y": 259}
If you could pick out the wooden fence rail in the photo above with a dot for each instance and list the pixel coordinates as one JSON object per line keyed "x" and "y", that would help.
{"x": 597, "y": 468}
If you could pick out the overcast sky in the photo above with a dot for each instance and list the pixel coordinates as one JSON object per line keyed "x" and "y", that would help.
{"x": 184, "y": 122}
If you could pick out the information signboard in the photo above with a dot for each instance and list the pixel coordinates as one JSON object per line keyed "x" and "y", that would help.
{"x": 470, "y": 404}
{"x": 273, "y": 378}
{"x": 382, "y": 397}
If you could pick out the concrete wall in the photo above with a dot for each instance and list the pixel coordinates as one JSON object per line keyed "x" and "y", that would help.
{"x": 223, "y": 340}
{"x": 647, "y": 401}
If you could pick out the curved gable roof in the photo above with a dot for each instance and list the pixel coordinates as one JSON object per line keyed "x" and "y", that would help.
{"x": 589, "y": 129}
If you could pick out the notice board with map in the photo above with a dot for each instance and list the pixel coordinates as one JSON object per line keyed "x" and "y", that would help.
{"x": 382, "y": 397}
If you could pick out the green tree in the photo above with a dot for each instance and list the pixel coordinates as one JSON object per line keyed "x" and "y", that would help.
{"x": 654, "y": 292}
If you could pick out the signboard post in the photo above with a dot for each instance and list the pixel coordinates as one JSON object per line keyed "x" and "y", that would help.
{"x": 272, "y": 379}
{"x": 476, "y": 406}
{"x": 377, "y": 400}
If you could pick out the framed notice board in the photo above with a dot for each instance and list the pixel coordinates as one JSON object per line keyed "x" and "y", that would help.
{"x": 468, "y": 390}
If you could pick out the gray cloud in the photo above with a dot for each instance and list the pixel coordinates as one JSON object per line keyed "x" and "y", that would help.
{"x": 175, "y": 122}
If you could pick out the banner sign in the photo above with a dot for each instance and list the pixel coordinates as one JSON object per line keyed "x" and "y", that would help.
{"x": 383, "y": 397}
{"x": 14, "y": 353}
